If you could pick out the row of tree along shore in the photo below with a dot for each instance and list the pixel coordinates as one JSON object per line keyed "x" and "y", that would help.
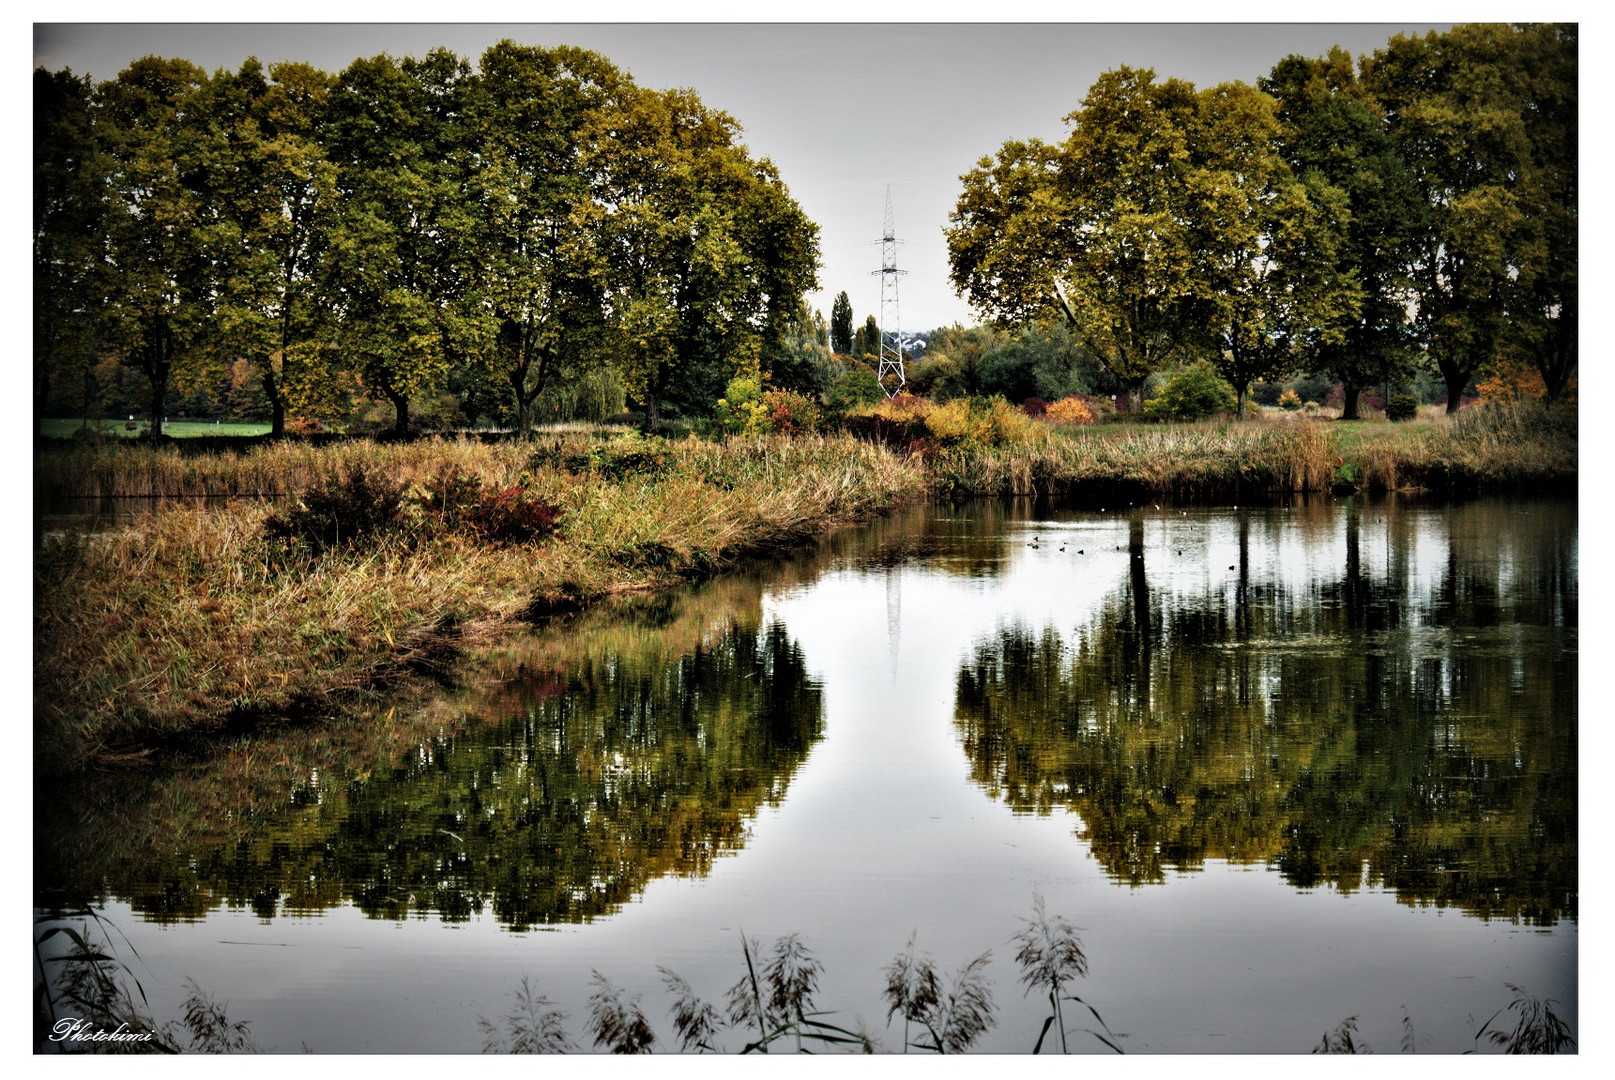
{"x": 1415, "y": 210}
{"x": 379, "y": 560}
{"x": 540, "y": 238}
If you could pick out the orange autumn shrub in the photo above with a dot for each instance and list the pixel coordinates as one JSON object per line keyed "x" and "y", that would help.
{"x": 1069, "y": 410}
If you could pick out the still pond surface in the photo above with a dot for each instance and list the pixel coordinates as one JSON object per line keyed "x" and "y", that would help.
{"x": 1280, "y": 765}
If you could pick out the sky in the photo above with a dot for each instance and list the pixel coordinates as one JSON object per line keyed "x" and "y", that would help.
{"x": 845, "y": 110}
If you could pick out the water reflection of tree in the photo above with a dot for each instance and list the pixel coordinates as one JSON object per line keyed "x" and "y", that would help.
{"x": 1353, "y": 727}
{"x": 589, "y": 786}
{"x": 583, "y": 765}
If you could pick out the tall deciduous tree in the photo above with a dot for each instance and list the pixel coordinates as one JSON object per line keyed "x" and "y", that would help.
{"x": 1484, "y": 115}
{"x": 1333, "y": 129}
{"x": 1549, "y": 318}
{"x": 1097, "y": 230}
{"x": 272, "y": 189}
{"x": 841, "y": 324}
{"x": 397, "y": 267}
{"x": 540, "y": 276}
{"x": 706, "y": 253}
{"x": 69, "y": 209}
{"x": 158, "y": 285}
{"x": 1274, "y": 281}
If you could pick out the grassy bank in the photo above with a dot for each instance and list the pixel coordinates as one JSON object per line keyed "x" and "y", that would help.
{"x": 190, "y": 621}
{"x": 1480, "y": 450}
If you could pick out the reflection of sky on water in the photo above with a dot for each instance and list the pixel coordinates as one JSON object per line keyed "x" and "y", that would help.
{"x": 883, "y": 833}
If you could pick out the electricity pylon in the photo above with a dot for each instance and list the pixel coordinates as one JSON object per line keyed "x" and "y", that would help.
{"x": 890, "y": 368}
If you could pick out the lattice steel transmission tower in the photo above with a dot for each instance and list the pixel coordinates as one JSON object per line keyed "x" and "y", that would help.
{"x": 890, "y": 368}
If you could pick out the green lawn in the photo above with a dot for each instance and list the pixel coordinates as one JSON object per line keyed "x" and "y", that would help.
{"x": 178, "y": 429}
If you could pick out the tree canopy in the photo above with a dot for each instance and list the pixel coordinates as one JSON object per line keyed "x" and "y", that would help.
{"x": 409, "y": 226}
{"x": 1329, "y": 219}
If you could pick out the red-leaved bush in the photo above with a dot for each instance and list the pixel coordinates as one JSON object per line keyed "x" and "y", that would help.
{"x": 507, "y": 515}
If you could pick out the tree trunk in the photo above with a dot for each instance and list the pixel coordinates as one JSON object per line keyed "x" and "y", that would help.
{"x": 1348, "y": 404}
{"x": 524, "y": 398}
{"x": 277, "y": 404}
{"x": 1456, "y": 379}
{"x": 401, "y": 408}
{"x": 1558, "y": 362}
{"x": 42, "y": 384}
{"x": 159, "y": 390}
{"x": 1135, "y": 394}
{"x": 1244, "y": 389}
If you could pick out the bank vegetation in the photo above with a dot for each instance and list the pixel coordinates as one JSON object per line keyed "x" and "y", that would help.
{"x": 319, "y": 574}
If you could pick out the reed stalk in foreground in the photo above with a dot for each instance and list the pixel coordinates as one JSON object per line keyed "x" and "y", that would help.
{"x": 954, "y": 1020}
{"x": 1051, "y": 957}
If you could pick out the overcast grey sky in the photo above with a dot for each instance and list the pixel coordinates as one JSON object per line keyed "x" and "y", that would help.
{"x": 842, "y": 109}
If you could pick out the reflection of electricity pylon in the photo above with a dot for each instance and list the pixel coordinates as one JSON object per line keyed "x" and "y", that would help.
{"x": 894, "y": 616}
{"x": 891, "y": 356}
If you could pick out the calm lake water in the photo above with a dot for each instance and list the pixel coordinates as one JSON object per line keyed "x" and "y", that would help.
{"x": 1280, "y": 765}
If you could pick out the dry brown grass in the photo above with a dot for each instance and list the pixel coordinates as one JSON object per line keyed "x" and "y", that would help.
{"x": 185, "y": 620}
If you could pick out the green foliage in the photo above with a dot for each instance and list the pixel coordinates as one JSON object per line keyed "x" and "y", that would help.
{"x": 1401, "y": 407}
{"x": 1485, "y": 117}
{"x": 594, "y": 394}
{"x": 797, "y": 358}
{"x": 69, "y": 217}
{"x": 1040, "y": 359}
{"x": 852, "y": 389}
{"x": 706, "y": 253}
{"x": 1275, "y": 279}
{"x": 337, "y": 510}
{"x": 628, "y": 455}
{"x": 1130, "y": 181}
{"x": 1333, "y": 130}
{"x": 1193, "y": 393}
{"x": 866, "y": 342}
{"x": 537, "y": 272}
{"x": 396, "y": 239}
{"x": 841, "y": 324}
{"x": 156, "y": 291}
{"x": 740, "y": 411}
